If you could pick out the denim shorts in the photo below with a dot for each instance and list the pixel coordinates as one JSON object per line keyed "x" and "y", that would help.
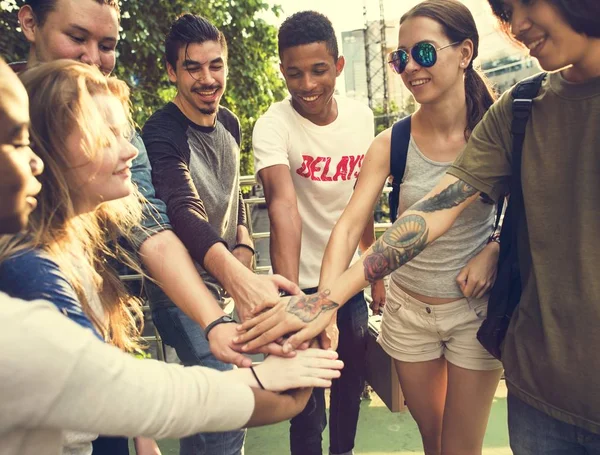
{"x": 413, "y": 331}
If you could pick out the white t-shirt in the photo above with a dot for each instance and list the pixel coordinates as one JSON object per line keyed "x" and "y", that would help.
{"x": 58, "y": 376}
{"x": 324, "y": 163}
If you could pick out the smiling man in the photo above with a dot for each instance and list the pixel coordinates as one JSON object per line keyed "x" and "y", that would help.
{"x": 193, "y": 145}
{"x": 309, "y": 150}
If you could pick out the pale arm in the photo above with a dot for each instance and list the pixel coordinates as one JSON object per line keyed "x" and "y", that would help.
{"x": 184, "y": 286}
{"x": 355, "y": 224}
{"x": 66, "y": 364}
{"x": 159, "y": 253}
{"x": 241, "y": 253}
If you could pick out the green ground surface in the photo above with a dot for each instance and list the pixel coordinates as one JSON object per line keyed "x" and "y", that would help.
{"x": 380, "y": 432}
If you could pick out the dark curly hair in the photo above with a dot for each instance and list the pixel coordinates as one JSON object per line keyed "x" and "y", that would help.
{"x": 582, "y": 15}
{"x": 187, "y": 29}
{"x": 41, "y": 8}
{"x": 307, "y": 27}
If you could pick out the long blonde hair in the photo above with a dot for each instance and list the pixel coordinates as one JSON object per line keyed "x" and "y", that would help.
{"x": 61, "y": 101}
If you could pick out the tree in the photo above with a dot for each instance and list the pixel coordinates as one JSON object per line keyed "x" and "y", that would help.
{"x": 253, "y": 82}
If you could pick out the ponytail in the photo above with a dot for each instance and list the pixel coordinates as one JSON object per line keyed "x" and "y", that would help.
{"x": 459, "y": 25}
{"x": 480, "y": 96}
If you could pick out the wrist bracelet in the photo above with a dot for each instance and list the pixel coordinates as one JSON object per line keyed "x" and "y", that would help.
{"x": 243, "y": 245}
{"x": 225, "y": 319}
{"x": 256, "y": 377}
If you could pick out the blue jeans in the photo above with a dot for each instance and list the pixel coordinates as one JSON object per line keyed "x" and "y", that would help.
{"x": 307, "y": 427}
{"x": 187, "y": 338}
{"x": 533, "y": 432}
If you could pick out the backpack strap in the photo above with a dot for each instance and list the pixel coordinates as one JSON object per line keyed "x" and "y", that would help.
{"x": 398, "y": 156}
{"x": 522, "y": 94}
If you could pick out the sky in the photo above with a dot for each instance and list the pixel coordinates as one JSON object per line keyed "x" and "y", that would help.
{"x": 348, "y": 15}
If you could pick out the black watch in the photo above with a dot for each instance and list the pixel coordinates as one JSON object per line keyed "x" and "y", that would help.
{"x": 222, "y": 320}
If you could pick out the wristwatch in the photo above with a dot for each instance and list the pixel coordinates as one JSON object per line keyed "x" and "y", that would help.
{"x": 222, "y": 320}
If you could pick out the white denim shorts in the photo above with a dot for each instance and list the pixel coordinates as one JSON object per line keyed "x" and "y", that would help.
{"x": 413, "y": 331}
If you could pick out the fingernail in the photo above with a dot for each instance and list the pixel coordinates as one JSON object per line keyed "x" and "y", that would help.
{"x": 245, "y": 347}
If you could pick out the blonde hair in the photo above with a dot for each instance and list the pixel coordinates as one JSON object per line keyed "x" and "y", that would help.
{"x": 61, "y": 102}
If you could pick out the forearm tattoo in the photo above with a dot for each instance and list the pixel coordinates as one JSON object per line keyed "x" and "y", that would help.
{"x": 398, "y": 245}
{"x": 452, "y": 196}
{"x": 309, "y": 307}
{"x": 409, "y": 235}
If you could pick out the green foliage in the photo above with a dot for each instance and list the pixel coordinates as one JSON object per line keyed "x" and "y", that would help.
{"x": 384, "y": 120}
{"x": 253, "y": 82}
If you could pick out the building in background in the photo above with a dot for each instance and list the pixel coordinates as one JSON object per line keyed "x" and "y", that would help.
{"x": 387, "y": 88}
{"x": 505, "y": 70}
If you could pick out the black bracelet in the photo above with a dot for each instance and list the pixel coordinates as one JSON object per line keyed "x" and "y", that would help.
{"x": 243, "y": 245}
{"x": 256, "y": 377}
{"x": 225, "y": 319}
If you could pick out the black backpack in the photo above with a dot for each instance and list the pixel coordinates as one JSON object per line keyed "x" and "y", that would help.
{"x": 506, "y": 292}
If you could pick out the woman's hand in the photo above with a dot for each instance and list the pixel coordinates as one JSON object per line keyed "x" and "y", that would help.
{"x": 378, "y": 294}
{"x": 309, "y": 368}
{"x": 478, "y": 276}
{"x": 308, "y": 315}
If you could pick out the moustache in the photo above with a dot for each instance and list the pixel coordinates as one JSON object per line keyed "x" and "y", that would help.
{"x": 209, "y": 88}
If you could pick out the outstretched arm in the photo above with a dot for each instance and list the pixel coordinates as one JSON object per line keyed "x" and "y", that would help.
{"x": 420, "y": 225}
{"x": 286, "y": 225}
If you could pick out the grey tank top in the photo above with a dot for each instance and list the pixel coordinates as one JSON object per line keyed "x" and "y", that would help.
{"x": 433, "y": 272}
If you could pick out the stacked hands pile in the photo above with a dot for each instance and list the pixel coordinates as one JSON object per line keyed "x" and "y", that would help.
{"x": 68, "y": 324}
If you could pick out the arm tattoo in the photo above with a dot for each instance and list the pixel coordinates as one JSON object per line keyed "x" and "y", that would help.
{"x": 452, "y": 196}
{"x": 398, "y": 245}
{"x": 309, "y": 307}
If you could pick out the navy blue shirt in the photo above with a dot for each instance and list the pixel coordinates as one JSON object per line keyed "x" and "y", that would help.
{"x": 32, "y": 275}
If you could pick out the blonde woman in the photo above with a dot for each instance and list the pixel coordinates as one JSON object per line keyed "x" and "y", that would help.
{"x": 80, "y": 128}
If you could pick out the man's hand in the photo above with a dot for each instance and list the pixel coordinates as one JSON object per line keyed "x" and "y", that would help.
{"x": 478, "y": 276}
{"x": 245, "y": 256}
{"x": 378, "y": 294}
{"x": 308, "y": 315}
{"x": 220, "y": 339}
{"x": 262, "y": 291}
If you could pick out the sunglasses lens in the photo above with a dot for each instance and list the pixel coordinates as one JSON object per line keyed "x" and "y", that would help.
{"x": 398, "y": 60}
{"x": 424, "y": 54}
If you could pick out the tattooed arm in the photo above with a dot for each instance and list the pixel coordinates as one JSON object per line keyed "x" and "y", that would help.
{"x": 420, "y": 225}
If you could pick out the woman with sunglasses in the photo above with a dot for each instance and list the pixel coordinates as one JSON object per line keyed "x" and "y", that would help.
{"x": 550, "y": 350}
{"x": 436, "y": 302}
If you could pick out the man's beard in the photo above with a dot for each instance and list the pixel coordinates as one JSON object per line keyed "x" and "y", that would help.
{"x": 209, "y": 111}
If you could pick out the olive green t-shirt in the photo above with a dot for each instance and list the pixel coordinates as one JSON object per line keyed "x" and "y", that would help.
{"x": 551, "y": 352}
